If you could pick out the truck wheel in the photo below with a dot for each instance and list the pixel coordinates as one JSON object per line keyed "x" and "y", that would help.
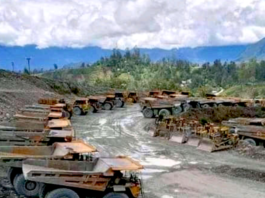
{"x": 205, "y": 106}
{"x": 177, "y": 110}
{"x": 67, "y": 114}
{"x": 77, "y": 111}
{"x": 44, "y": 190}
{"x": 164, "y": 112}
{"x": 91, "y": 110}
{"x": 186, "y": 107}
{"x": 119, "y": 103}
{"x": 220, "y": 105}
{"x": 123, "y": 103}
{"x": 148, "y": 113}
{"x": 250, "y": 141}
{"x": 11, "y": 174}
{"x": 62, "y": 193}
{"x": 107, "y": 106}
{"x": 26, "y": 188}
{"x": 198, "y": 106}
{"x": 115, "y": 195}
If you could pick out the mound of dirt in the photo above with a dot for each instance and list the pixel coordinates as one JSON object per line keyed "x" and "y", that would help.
{"x": 17, "y": 90}
{"x": 250, "y": 174}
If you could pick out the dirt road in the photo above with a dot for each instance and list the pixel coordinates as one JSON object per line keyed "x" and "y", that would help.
{"x": 171, "y": 170}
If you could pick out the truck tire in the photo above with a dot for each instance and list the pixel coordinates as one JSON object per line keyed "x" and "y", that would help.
{"x": 11, "y": 174}
{"x": 67, "y": 114}
{"x": 62, "y": 192}
{"x": 91, "y": 110}
{"x": 26, "y": 188}
{"x": 123, "y": 103}
{"x": 107, "y": 106}
{"x": 250, "y": 141}
{"x": 77, "y": 111}
{"x": 186, "y": 107}
{"x": 198, "y": 106}
{"x": 44, "y": 189}
{"x": 116, "y": 195}
{"x": 220, "y": 105}
{"x": 205, "y": 106}
{"x": 164, "y": 112}
{"x": 148, "y": 113}
{"x": 177, "y": 110}
{"x": 119, "y": 103}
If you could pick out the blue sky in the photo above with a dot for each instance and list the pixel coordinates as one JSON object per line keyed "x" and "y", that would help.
{"x": 128, "y": 23}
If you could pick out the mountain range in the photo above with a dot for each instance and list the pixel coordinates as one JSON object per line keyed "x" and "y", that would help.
{"x": 46, "y": 58}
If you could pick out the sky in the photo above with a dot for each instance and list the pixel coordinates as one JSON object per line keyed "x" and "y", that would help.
{"x": 128, "y": 23}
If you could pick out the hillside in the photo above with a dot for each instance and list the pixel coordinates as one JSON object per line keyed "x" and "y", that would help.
{"x": 256, "y": 50}
{"x": 18, "y": 90}
{"x": 134, "y": 71}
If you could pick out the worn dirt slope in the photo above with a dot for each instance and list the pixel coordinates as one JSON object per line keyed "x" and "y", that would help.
{"x": 18, "y": 90}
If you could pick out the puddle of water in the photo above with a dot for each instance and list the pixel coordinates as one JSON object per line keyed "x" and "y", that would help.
{"x": 193, "y": 162}
{"x": 152, "y": 171}
{"x": 93, "y": 131}
{"x": 160, "y": 162}
{"x": 146, "y": 177}
{"x": 145, "y": 149}
{"x": 127, "y": 120}
{"x": 167, "y": 196}
{"x": 102, "y": 121}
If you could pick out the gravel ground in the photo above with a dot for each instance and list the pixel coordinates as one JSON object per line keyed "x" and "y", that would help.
{"x": 171, "y": 170}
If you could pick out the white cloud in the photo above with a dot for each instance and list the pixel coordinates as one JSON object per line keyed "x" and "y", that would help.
{"x": 129, "y": 23}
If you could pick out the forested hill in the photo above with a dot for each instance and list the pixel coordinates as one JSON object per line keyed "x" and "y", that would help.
{"x": 135, "y": 71}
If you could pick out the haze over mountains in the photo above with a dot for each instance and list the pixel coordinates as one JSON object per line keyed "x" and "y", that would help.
{"x": 46, "y": 58}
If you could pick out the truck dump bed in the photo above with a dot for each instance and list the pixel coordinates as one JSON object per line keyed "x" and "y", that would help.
{"x": 38, "y": 116}
{"x": 98, "y": 165}
{"x": 23, "y": 138}
{"x": 248, "y": 127}
{"x": 93, "y": 175}
{"x": 245, "y": 121}
{"x": 12, "y": 155}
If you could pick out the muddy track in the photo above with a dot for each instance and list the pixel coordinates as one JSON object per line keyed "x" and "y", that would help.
{"x": 171, "y": 170}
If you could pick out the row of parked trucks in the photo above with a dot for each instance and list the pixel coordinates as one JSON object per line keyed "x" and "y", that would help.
{"x": 109, "y": 101}
{"x": 153, "y": 103}
{"x": 173, "y": 103}
{"x": 44, "y": 159}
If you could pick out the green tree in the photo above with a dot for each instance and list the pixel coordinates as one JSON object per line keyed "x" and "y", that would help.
{"x": 26, "y": 71}
{"x": 55, "y": 66}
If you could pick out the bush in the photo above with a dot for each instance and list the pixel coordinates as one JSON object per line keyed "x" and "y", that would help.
{"x": 203, "y": 121}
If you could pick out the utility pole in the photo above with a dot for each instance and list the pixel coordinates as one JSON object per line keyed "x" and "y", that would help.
{"x": 13, "y": 66}
{"x": 28, "y": 59}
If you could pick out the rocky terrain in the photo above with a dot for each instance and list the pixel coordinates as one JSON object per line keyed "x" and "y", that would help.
{"x": 18, "y": 90}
